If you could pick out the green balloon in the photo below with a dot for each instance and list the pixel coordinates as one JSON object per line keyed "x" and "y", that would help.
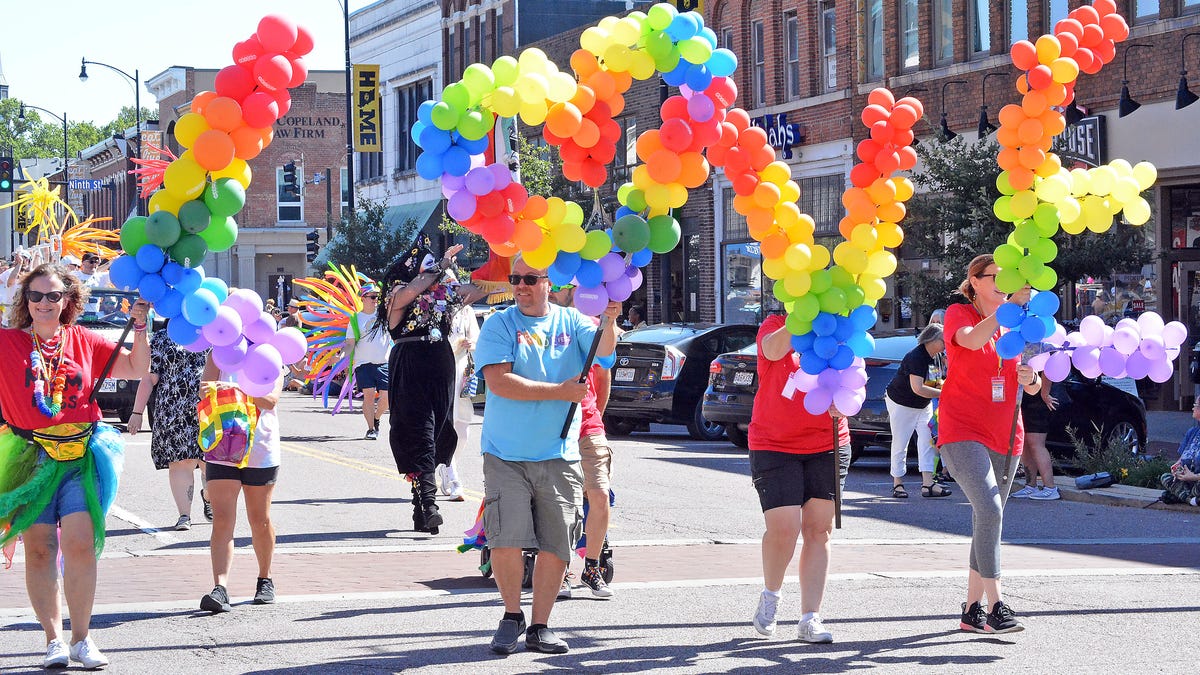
{"x": 1046, "y": 281}
{"x": 1026, "y": 234}
{"x": 475, "y": 124}
{"x": 162, "y": 229}
{"x": 1030, "y": 267}
{"x": 220, "y": 234}
{"x": 1003, "y": 208}
{"x": 1045, "y": 216}
{"x": 631, "y": 233}
{"x": 189, "y": 251}
{"x": 224, "y": 197}
{"x": 457, "y": 96}
{"x": 1007, "y": 255}
{"x": 840, "y": 277}
{"x": 667, "y": 62}
{"x": 194, "y": 216}
{"x": 807, "y": 307}
{"x": 1010, "y": 280}
{"x": 664, "y": 233}
{"x": 1045, "y": 250}
{"x": 781, "y": 292}
{"x": 598, "y": 245}
{"x": 636, "y": 200}
{"x": 822, "y": 281}
{"x": 444, "y": 117}
{"x": 797, "y": 325}
{"x": 854, "y": 297}
{"x": 133, "y": 234}
{"x": 833, "y": 301}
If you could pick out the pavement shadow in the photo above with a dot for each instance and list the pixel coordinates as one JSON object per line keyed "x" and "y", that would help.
{"x": 349, "y": 500}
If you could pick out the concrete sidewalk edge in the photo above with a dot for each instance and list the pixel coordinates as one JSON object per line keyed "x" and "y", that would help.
{"x": 1117, "y": 495}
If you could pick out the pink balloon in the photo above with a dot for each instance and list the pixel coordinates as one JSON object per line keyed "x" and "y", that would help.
{"x": 591, "y": 300}
{"x": 262, "y": 365}
{"x": 276, "y": 33}
{"x": 817, "y": 401}
{"x": 260, "y": 110}
{"x": 291, "y": 345}
{"x": 1058, "y": 366}
{"x": 224, "y": 329}
{"x": 260, "y": 330}
{"x": 230, "y": 357}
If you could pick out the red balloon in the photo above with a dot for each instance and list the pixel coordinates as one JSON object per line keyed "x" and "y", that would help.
{"x": 744, "y": 184}
{"x": 862, "y": 175}
{"x": 273, "y": 72}
{"x": 572, "y": 171}
{"x": 1040, "y": 77}
{"x": 1106, "y": 51}
{"x": 260, "y": 109}
{"x": 753, "y": 137}
{"x": 572, "y": 151}
{"x": 729, "y": 135}
{"x": 551, "y": 137}
{"x": 723, "y": 91}
{"x": 705, "y": 134}
{"x": 902, "y": 137}
{"x": 1024, "y": 55}
{"x": 908, "y": 158}
{"x": 867, "y": 149}
{"x": 882, "y": 131}
{"x": 887, "y": 162}
{"x": 739, "y": 118}
{"x": 491, "y": 204}
{"x": 593, "y": 173}
{"x": 603, "y": 152}
{"x": 610, "y": 131}
{"x": 1068, "y": 43}
{"x": 873, "y": 114}
{"x": 737, "y": 160}
{"x": 304, "y": 42}
{"x": 276, "y": 33}
{"x": 247, "y": 52}
{"x": 235, "y": 83}
{"x": 284, "y": 99}
{"x": 676, "y": 135}
{"x": 674, "y": 108}
{"x": 716, "y": 155}
{"x": 515, "y": 197}
{"x": 299, "y": 71}
{"x": 1093, "y": 35}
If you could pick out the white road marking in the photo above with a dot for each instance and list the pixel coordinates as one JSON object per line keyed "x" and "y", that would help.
{"x": 143, "y": 525}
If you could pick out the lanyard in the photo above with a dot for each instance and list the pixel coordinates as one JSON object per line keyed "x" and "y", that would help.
{"x": 991, "y": 342}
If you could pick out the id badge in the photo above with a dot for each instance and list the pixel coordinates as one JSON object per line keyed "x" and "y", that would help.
{"x": 997, "y": 390}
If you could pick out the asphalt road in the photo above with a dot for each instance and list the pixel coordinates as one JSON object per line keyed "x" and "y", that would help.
{"x": 1101, "y": 589}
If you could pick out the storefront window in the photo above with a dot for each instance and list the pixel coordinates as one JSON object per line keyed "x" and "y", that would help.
{"x": 1184, "y": 205}
{"x": 742, "y": 292}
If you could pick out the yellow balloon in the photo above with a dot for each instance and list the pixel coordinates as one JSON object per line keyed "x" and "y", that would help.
{"x": 503, "y": 101}
{"x": 789, "y": 191}
{"x": 798, "y": 257}
{"x": 189, "y": 127}
{"x": 677, "y": 195}
{"x": 890, "y": 235}
{"x": 1023, "y": 203}
{"x": 775, "y": 268}
{"x": 904, "y": 189}
{"x": 850, "y": 257}
{"x": 1137, "y": 211}
{"x": 873, "y": 288}
{"x": 533, "y": 60}
{"x": 864, "y": 236}
{"x": 573, "y": 214}
{"x": 797, "y": 283}
{"x": 238, "y": 170}
{"x": 1081, "y": 182}
{"x": 1048, "y": 49}
{"x": 1122, "y": 167}
{"x": 1053, "y": 189}
{"x": 542, "y": 256}
{"x": 802, "y": 232}
{"x": 595, "y": 40}
{"x": 1096, "y": 215}
{"x": 642, "y": 66}
{"x": 617, "y": 57}
{"x": 562, "y": 87}
{"x": 1126, "y": 189}
{"x": 506, "y": 71}
{"x": 533, "y": 88}
{"x": 1064, "y": 70}
{"x": 1103, "y": 180}
{"x": 1069, "y": 209}
{"x": 657, "y": 196}
{"x": 626, "y": 31}
{"x": 569, "y": 238}
{"x": 820, "y": 257}
{"x": 165, "y": 201}
{"x": 533, "y": 113}
{"x": 1145, "y": 174}
{"x": 776, "y": 172}
{"x": 184, "y": 179}
{"x": 881, "y": 264}
{"x": 556, "y": 208}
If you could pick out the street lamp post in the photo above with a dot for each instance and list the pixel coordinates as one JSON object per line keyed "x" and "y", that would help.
{"x": 137, "y": 105}
{"x": 66, "y": 153}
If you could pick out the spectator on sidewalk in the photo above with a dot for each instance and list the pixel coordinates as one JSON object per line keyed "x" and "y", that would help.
{"x": 1182, "y": 483}
{"x": 370, "y": 344}
{"x": 1035, "y": 415}
{"x": 532, "y": 355}
{"x": 909, "y": 404}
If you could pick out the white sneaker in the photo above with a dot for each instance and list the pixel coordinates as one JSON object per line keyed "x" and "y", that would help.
{"x": 1025, "y": 492}
{"x": 813, "y": 630}
{"x": 57, "y": 655}
{"x": 564, "y": 591}
{"x": 1046, "y": 494}
{"x": 87, "y": 654}
{"x": 764, "y": 616}
{"x": 456, "y": 492}
{"x": 442, "y": 477}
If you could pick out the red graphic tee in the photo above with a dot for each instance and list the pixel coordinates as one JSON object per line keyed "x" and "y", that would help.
{"x": 966, "y": 411}
{"x": 84, "y": 356}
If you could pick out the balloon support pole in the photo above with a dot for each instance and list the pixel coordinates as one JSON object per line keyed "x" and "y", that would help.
{"x": 587, "y": 365}
{"x": 837, "y": 478}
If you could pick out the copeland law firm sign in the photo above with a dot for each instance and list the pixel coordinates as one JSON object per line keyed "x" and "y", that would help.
{"x": 367, "y": 117}
{"x": 310, "y": 126}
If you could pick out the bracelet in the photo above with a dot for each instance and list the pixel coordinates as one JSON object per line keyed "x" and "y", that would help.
{"x": 135, "y": 413}
{"x": 140, "y": 328}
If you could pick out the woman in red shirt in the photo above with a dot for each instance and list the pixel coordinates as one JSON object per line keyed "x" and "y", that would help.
{"x": 791, "y": 461}
{"x": 979, "y": 426}
{"x": 56, "y": 493}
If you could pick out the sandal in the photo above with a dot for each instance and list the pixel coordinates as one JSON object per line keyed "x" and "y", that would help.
{"x": 898, "y": 492}
{"x": 935, "y": 490}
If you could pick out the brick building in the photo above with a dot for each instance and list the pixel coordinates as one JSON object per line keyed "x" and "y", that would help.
{"x": 270, "y": 248}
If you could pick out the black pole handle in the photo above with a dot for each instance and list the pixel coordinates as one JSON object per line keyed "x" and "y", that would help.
{"x": 112, "y": 359}
{"x": 837, "y": 477}
{"x": 587, "y": 365}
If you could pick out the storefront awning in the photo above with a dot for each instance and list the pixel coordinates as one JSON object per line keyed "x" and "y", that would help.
{"x": 424, "y": 214}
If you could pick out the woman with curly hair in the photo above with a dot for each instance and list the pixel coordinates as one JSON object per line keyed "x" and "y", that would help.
{"x": 58, "y": 464}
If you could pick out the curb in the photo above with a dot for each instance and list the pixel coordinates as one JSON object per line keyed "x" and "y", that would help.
{"x": 1117, "y": 495}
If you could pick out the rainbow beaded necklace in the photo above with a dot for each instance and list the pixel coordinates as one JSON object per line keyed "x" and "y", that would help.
{"x": 46, "y": 361}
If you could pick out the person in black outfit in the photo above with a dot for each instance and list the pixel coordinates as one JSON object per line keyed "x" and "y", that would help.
{"x": 916, "y": 383}
{"x": 421, "y": 391}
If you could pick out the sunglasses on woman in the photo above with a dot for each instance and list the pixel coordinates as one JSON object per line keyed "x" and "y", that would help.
{"x": 528, "y": 279}
{"x": 36, "y": 296}
{"x": 371, "y": 296}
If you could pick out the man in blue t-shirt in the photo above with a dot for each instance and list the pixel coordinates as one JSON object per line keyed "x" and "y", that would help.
{"x": 532, "y": 356}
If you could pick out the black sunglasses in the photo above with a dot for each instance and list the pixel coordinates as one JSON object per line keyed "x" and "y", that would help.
{"x": 372, "y": 296}
{"x": 528, "y": 279}
{"x": 36, "y": 296}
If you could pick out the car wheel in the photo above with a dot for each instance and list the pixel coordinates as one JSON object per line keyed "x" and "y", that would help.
{"x": 737, "y": 435}
{"x": 702, "y": 429}
{"x": 618, "y": 427}
{"x": 856, "y": 450}
{"x": 1126, "y": 434}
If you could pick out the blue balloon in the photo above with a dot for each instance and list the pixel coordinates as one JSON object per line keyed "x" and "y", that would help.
{"x": 1050, "y": 324}
{"x": 863, "y": 317}
{"x": 862, "y": 344}
{"x": 709, "y": 36}
{"x": 641, "y": 258}
{"x": 803, "y": 343}
{"x": 434, "y": 140}
{"x": 843, "y": 359}
{"x": 473, "y": 147}
{"x": 456, "y": 161}
{"x": 170, "y": 304}
{"x": 429, "y": 166}
{"x": 825, "y": 346}
{"x": 152, "y": 287}
{"x": 150, "y": 258}
{"x": 812, "y": 364}
{"x": 124, "y": 273}
{"x": 677, "y": 75}
{"x": 623, "y": 211}
{"x": 217, "y": 286}
{"x": 1044, "y": 304}
{"x": 189, "y": 281}
{"x": 608, "y": 231}
{"x": 824, "y": 324}
{"x": 172, "y": 272}
{"x": 1033, "y": 329}
{"x": 845, "y": 328}
{"x": 1010, "y": 315}
{"x": 568, "y": 262}
{"x": 682, "y": 26}
{"x": 589, "y": 274}
{"x": 722, "y": 63}
{"x": 417, "y": 128}
{"x": 1010, "y": 345}
{"x": 698, "y": 78}
{"x": 557, "y": 276}
{"x": 181, "y": 332}
{"x": 425, "y": 112}
{"x": 200, "y": 307}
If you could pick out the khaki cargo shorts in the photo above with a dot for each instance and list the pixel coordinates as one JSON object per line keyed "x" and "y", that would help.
{"x": 596, "y": 458}
{"x": 533, "y": 505}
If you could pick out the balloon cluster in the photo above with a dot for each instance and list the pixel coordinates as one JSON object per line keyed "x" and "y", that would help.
{"x": 832, "y": 369}
{"x": 1139, "y": 348}
{"x": 1030, "y": 324}
{"x": 193, "y": 214}
{"x": 578, "y": 114}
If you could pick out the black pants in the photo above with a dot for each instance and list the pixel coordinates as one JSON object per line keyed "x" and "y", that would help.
{"x": 421, "y": 399}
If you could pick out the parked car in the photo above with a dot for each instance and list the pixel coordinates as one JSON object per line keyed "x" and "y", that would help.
{"x": 106, "y": 311}
{"x": 1086, "y": 405}
{"x": 661, "y": 373}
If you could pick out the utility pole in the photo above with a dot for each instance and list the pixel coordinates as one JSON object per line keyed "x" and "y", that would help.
{"x": 328, "y": 206}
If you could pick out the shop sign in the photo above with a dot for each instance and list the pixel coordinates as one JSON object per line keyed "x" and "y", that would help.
{"x": 781, "y": 134}
{"x": 1084, "y": 143}
{"x": 366, "y": 100}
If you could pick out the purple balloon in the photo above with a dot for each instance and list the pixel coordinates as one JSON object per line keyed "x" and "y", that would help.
{"x": 248, "y": 304}
{"x": 461, "y": 205}
{"x": 262, "y": 365}
{"x": 854, "y": 377}
{"x": 229, "y": 358}
{"x": 804, "y": 381}
{"x": 619, "y": 289}
{"x": 199, "y": 344}
{"x": 1137, "y": 366}
{"x": 1150, "y": 323}
{"x": 612, "y": 265}
{"x": 829, "y": 379}
{"x": 1038, "y": 362}
{"x": 1058, "y": 366}
{"x": 591, "y": 300}
{"x": 1126, "y": 339}
{"x": 1161, "y": 371}
{"x": 635, "y": 277}
{"x": 254, "y": 388}
{"x": 291, "y": 345}
{"x": 260, "y": 330}
{"x": 817, "y": 401}
{"x": 501, "y": 175}
{"x": 1152, "y": 348}
{"x": 1112, "y": 362}
{"x": 1092, "y": 328}
{"x": 455, "y": 183}
{"x": 700, "y": 108}
{"x": 1174, "y": 334}
{"x": 224, "y": 329}
{"x": 849, "y": 401}
{"x": 480, "y": 181}
{"x": 1086, "y": 358}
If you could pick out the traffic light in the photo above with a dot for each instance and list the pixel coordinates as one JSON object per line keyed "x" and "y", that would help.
{"x": 313, "y": 246}
{"x": 6, "y": 175}
{"x": 290, "y": 187}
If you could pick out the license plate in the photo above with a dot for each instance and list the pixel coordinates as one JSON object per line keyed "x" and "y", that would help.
{"x": 743, "y": 379}
{"x": 623, "y": 375}
{"x": 108, "y": 386}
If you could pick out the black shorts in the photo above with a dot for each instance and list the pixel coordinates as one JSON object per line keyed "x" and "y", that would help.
{"x": 788, "y": 479}
{"x": 1035, "y": 414}
{"x": 249, "y": 476}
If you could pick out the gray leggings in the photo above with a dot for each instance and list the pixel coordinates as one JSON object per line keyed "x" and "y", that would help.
{"x": 977, "y": 471}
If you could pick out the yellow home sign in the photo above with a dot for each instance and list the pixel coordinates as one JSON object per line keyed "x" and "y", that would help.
{"x": 367, "y": 118}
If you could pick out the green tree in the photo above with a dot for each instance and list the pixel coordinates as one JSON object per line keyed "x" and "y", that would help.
{"x": 367, "y": 241}
{"x": 950, "y": 221}
{"x": 40, "y": 135}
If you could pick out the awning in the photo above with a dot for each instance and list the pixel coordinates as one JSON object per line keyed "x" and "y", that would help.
{"x": 424, "y": 214}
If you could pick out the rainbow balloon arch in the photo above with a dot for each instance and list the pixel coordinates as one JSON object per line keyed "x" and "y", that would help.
{"x": 193, "y": 213}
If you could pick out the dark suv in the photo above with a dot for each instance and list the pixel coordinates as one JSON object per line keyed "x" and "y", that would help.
{"x": 661, "y": 373}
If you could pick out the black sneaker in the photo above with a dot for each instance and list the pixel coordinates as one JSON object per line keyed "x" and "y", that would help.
{"x": 542, "y": 639}
{"x": 507, "y": 635}
{"x": 217, "y": 601}
{"x": 207, "y": 506}
{"x": 1003, "y": 620}
{"x": 974, "y": 619}
{"x": 372, "y": 434}
{"x": 377, "y": 424}
{"x": 593, "y": 578}
{"x": 265, "y": 594}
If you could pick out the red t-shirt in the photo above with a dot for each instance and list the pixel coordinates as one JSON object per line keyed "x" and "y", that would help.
{"x": 966, "y": 411}
{"x": 593, "y": 422}
{"x": 84, "y": 356}
{"x": 783, "y": 425}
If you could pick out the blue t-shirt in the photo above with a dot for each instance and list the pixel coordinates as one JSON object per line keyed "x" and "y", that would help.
{"x": 549, "y": 348}
{"x": 1189, "y": 449}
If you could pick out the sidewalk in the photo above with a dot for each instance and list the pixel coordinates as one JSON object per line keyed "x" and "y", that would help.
{"x": 1165, "y": 429}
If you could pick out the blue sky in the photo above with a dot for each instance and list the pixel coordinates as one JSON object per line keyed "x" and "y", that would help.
{"x": 43, "y": 41}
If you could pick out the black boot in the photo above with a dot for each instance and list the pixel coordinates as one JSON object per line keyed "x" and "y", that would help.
{"x": 428, "y": 492}
{"x": 418, "y": 512}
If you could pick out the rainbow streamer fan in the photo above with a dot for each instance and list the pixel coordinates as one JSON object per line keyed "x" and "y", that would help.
{"x": 475, "y": 537}
{"x": 328, "y": 315}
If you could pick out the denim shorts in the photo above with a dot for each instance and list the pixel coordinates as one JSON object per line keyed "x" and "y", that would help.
{"x": 68, "y": 499}
{"x": 372, "y": 376}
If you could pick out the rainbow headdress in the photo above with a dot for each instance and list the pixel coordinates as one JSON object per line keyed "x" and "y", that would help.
{"x": 328, "y": 314}
{"x": 228, "y": 417}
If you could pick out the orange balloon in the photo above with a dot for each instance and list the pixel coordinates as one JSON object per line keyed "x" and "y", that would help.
{"x": 760, "y": 222}
{"x": 213, "y": 150}
{"x": 1033, "y": 103}
{"x": 1008, "y": 137}
{"x": 1051, "y": 166}
{"x": 1022, "y": 84}
{"x": 584, "y": 64}
{"x": 564, "y": 119}
{"x": 1031, "y": 157}
{"x": 903, "y": 116}
{"x": 648, "y": 143}
{"x": 1031, "y": 131}
{"x": 882, "y": 191}
{"x": 268, "y": 134}
{"x": 616, "y": 104}
{"x": 743, "y": 204}
{"x": 846, "y": 226}
{"x": 1009, "y": 158}
{"x": 907, "y": 157}
{"x": 584, "y": 98}
{"x": 761, "y": 156}
{"x": 740, "y": 119}
{"x": 1053, "y": 122}
{"x": 766, "y": 195}
{"x": 881, "y": 97}
{"x": 536, "y": 207}
{"x": 527, "y": 235}
{"x": 664, "y": 166}
{"x": 622, "y": 80}
{"x": 694, "y": 169}
{"x": 1056, "y": 94}
{"x": 504, "y": 249}
{"x": 588, "y": 134}
{"x": 913, "y": 103}
{"x": 603, "y": 84}
{"x": 890, "y": 213}
{"x": 202, "y": 99}
{"x": 247, "y": 142}
{"x": 1020, "y": 178}
{"x": 223, "y": 113}
{"x": 775, "y": 245}
{"x": 1011, "y": 115}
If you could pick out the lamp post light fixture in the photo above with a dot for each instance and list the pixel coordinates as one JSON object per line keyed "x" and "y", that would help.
{"x": 985, "y": 126}
{"x": 916, "y": 141}
{"x": 1126, "y": 106}
{"x": 1184, "y": 96}
{"x": 946, "y": 133}
{"x": 137, "y": 104}
{"x": 66, "y": 153}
